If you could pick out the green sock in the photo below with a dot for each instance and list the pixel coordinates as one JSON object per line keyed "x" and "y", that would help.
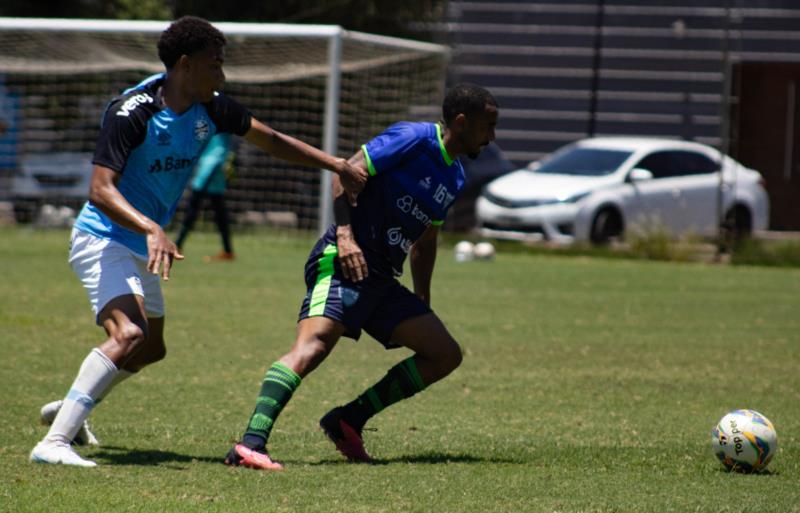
{"x": 276, "y": 390}
{"x": 401, "y": 382}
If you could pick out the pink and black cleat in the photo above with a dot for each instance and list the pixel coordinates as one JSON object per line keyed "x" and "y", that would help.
{"x": 242, "y": 456}
{"x": 348, "y": 441}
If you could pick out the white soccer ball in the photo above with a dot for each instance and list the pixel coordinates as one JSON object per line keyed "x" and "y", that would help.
{"x": 463, "y": 251}
{"x": 483, "y": 251}
{"x": 744, "y": 441}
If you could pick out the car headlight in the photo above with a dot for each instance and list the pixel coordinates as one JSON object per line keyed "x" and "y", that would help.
{"x": 526, "y": 203}
{"x": 575, "y": 197}
{"x": 497, "y": 200}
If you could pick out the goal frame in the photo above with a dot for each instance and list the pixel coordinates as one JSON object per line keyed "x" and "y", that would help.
{"x": 333, "y": 34}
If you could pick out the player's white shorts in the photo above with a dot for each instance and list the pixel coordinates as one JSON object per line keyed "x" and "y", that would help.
{"x": 109, "y": 269}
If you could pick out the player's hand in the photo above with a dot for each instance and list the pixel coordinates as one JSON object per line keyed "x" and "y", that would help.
{"x": 160, "y": 252}
{"x": 353, "y": 179}
{"x": 351, "y": 258}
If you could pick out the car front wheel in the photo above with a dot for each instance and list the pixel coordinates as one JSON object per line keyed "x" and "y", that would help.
{"x": 738, "y": 223}
{"x": 607, "y": 225}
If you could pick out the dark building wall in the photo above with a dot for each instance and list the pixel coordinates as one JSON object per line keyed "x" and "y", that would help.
{"x": 657, "y": 70}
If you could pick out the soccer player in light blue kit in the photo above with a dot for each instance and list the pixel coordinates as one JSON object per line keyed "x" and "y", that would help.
{"x": 351, "y": 274}
{"x": 150, "y": 139}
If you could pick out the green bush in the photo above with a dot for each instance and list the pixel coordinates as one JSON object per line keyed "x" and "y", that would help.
{"x": 652, "y": 241}
{"x": 766, "y": 253}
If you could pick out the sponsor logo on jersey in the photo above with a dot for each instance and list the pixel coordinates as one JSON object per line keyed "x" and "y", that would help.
{"x": 171, "y": 163}
{"x": 442, "y": 196}
{"x": 201, "y": 130}
{"x": 407, "y": 205}
{"x": 395, "y": 237}
{"x": 133, "y": 102}
{"x": 425, "y": 183}
{"x": 164, "y": 138}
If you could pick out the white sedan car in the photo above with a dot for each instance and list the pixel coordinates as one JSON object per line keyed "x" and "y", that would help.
{"x": 595, "y": 189}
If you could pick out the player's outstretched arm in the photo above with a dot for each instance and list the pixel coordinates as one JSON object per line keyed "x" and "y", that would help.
{"x": 296, "y": 151}
{"x": 104, "y": 195}
{"x": 423, "y": 258}
{"x": 351, "y": 258}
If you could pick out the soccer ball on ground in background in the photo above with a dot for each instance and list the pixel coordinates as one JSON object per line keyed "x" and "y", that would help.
{"x": 744, "y": 441}
{"x": 463, "y": 251}
{"x": 484, "y": 251}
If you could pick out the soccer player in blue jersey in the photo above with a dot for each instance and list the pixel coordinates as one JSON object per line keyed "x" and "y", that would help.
{"x": 150, "y": 139}
{"x": 351, "y": 274}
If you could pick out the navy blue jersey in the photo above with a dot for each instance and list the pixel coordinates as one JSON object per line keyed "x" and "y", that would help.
{"x": 155, "y": 150}
{"x": 412, "y": 185}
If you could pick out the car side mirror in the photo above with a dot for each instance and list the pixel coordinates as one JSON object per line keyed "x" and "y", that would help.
{"x": 639, "y": 175}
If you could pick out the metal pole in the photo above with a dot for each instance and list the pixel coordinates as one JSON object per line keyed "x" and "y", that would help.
{"x": 724, "y": 142}
{"x": 330, "y": 134}
{"x": 598, "y": 47}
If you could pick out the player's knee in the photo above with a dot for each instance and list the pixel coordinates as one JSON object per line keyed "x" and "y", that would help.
{"x": 157, "y": 353}
{"x": 448, "y": 357}
{"x": 308, "y": 354}
{"x": 128, "y": 339}
{"x": 453, "y": 357}
{"x": 131, "y": 336}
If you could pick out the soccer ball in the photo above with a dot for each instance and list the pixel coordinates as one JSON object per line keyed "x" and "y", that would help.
{"x": 463, "y": 251}
{"x": 744, "y": 441}
{"x": 484, "y": 251}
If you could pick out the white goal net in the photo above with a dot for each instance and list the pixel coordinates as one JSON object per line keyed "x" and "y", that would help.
{"x": 329, "y": 87}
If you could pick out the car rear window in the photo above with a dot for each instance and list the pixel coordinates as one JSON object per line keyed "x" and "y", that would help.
{"x": 585, "y": 162}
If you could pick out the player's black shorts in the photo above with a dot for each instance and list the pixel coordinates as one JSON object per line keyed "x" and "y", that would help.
{"x": 377, "y": 304}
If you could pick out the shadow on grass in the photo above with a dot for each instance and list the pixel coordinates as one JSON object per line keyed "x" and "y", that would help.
{"x": 432, "y": 458}
{"x": 763, "y": 472}
{"x": 113, "y": 455}
{"x": 125, "y": 456}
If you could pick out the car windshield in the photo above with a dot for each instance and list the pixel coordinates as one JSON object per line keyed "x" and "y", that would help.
{"x": 584, "y": 162}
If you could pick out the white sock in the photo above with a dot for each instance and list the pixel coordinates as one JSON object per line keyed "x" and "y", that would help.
{"x": 121, "y": 376}
{"x": 95, "y": 375}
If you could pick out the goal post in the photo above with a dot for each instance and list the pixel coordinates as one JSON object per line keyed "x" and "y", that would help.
{"x": 330, "y": 87}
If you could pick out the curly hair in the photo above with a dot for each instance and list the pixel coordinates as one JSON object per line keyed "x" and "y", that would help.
{"x": 186, "y": 36}
{"x": 466, "y": 98}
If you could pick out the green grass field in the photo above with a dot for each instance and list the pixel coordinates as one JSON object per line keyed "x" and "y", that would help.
{"x": 588, "y": 385}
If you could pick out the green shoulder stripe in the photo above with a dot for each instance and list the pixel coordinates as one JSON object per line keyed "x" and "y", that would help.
{"x": 370, "y": 167}
{"x": 445, "y": 155}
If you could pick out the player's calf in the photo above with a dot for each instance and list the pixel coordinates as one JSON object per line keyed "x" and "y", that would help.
{"x": 148, "y": 354}
{"x": 451, "y": 358}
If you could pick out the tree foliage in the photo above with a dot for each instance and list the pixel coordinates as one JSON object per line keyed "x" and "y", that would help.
{"x": 378, "y": 16}
{"x": 102, "y": 9}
